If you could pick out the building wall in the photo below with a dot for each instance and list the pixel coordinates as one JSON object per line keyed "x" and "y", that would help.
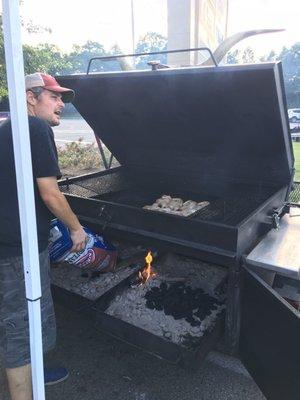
{"x": 195, "y": 23}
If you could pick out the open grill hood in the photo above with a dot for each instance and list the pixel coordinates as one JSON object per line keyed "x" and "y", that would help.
{"x": 222, "y": 123}
{"x": 218, "y": 134}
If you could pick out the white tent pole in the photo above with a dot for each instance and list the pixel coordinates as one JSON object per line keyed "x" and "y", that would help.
{"x": 22, "y": 153}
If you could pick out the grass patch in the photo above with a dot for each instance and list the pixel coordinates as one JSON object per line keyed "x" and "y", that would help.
{"x": 296, "y": 146}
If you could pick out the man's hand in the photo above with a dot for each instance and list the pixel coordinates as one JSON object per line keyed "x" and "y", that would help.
{"x": 79, "y": 239}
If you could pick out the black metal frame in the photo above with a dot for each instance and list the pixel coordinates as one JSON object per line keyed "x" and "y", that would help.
{"x": 269, "y": 347}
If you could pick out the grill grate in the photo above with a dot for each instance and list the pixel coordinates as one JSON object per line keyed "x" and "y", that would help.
{"x": 233, "y": 210}
{"x": 96, "y": 185}
{"x": 116, "y": 187}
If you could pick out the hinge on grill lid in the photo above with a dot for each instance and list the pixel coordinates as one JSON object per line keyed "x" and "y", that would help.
{"x": 279, "y": 212}
{"x": 104, "y": 217}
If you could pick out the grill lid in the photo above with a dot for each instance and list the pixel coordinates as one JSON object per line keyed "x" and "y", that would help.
{"x": 224, "y": 123}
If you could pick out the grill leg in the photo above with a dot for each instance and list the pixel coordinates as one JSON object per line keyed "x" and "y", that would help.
{"x": 232, "y": 324}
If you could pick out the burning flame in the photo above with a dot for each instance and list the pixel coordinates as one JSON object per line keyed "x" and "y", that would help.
{"x": 147, "y": 272}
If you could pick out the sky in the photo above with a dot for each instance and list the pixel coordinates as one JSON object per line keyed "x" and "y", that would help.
{"x": 263, "y": 14}
{"x": 105, "y": 21}
{"x": 109, "y": 21}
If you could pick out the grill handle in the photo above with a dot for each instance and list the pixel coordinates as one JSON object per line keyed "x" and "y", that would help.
{"x": 153, "y": 53}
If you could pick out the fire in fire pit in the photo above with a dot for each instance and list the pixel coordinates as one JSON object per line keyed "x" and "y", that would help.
{"x": 147, "y": 272}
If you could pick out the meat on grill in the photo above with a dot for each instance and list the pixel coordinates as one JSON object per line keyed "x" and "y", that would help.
{"x": 176, "y": 206}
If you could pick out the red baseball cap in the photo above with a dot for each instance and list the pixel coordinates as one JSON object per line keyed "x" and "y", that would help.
{"x": 48, "y": 82}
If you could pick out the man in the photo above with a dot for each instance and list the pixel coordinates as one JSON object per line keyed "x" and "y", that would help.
{"x": 45, "y": 101}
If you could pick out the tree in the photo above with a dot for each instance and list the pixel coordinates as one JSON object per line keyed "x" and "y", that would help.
{"x": 291, "y": 72}
{"x": 79, "y": 58}
{"x": 30, "y": 27}
{"x": 45, "y": 58}
{"x": 237, "y": 56}
{"x": 232, "y": 57}
{"x": 271, "y": 57}
{"x": 151, "y": 42}
{"x": 248, "y": 56}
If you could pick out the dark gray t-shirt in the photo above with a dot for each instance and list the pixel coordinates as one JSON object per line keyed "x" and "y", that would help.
{"x": 44, "y": 164}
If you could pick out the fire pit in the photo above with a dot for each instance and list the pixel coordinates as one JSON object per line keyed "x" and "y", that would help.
{"x": 173, "y": 311}
{"x": 179, "y": 301}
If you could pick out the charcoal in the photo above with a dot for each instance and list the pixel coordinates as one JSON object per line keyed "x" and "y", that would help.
{"x": 181, "y": 302}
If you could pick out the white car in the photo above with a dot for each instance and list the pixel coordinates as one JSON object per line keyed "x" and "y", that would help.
{"x": 294, "y": 114}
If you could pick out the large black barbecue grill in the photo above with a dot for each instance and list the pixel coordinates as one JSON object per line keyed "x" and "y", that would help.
{"x": 217, "y": 134}
{"x": 214, "y": 134}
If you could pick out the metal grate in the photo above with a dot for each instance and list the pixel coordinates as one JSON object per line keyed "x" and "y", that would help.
{"x": 295, "y": 193}
{"x": 233, "y": 209}
{"x": 118, "y": 188}
{"x": 96, "y": 186}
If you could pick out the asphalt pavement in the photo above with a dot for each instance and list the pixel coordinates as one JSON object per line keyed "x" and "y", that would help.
{"x": 102, "y": 368}
{"x": 70, "y": 130}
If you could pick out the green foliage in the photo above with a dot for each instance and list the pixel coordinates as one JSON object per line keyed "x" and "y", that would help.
{"x": 3, "y": 82}
{"x": 79, "y": 156}
{"x": 45, "y": 58}
{"x": 232, "y": 57}
{"x": 296, "y": 147}
{"x": 151, "y": 42}
{"x": 247, "y": 56}
{"x": 291, "y": 71}
{"x": 79, "y": 57}
{"x": 291, "y": 68}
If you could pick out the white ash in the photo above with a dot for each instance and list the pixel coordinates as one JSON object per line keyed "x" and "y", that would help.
{"x": 195, "y": 273}
{"x": 70, "y": 278}
{"x": 130, "y": 306}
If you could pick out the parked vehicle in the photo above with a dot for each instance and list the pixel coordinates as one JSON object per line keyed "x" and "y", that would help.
{"x": 4, "y": 115}
{"x": 294, "y": 114}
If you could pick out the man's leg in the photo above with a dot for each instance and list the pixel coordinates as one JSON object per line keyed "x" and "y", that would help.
{"x": 14, "y": 328}
{"x": 19, "y": 382}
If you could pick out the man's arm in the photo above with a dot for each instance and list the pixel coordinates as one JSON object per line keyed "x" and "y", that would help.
{"x": 58, "y": 205}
